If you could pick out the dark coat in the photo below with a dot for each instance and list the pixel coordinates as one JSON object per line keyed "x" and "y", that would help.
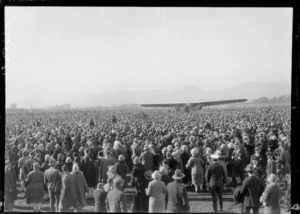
{"x": 252, "y": 188}
{"x": 239, "y": 160}
{"x": 166, "y": 179}
{"x": 237, "y": 196}
{"x": 100, "y": 197}
{"x": 141, "y": 200}
{"x": 56, "y": 152}
{"x": 89, "y": 170}
{"x": 122, "y": 170}
{"x": 215, "y": 175}
{"x": 10, "y": 185}
{"x": 147, "y": 159}
{"x": 177, "y": 200}
{"x": 116, "y": 201}
{"x": 68, "y": 194}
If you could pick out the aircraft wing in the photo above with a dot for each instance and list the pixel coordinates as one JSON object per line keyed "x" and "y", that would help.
{"x": 220, "y": 102}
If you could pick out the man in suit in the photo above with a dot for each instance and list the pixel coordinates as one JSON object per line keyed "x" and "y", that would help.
{"x": 239, "y": 159}
{"x": 215, "y": 176}
{"x": 176, "y": 197}
{"x": 252, "y": 188}
{"x": 52, "y": 179}
{"x": 116, "y": 199}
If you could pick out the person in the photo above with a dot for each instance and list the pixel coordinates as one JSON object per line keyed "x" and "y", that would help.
{"x": 238, "y": 158}
{"x": 122, "y": 169}
{"x": 185, "y": 156}
{"x": 164, "y": 175}
{"x": 105, "y": 162}
{"x": 68, "y": 195}
{"x": 271, "y": 164}
{"x": 138, "y": 180}
{"x": 116, "y": 199}
{"x": 90, "y": 174}
{"x": 52, "y": 179}
{"x": 81, "y": 186}
{"x": 216, "y": 178}
{"x": 147, "y": 158}
{"x": 111, "y": 175}
{"x": 197, "y": 165}
{"x": 100, "y": 197}
{"x": 10, "y": 189}
{"x": 21, "y": 165}
{"x": 252, "y": 188}
{"x": 176, "y": 195}
{"x": 156, "y": 191}
{"x": 271, "y": 196}
{"x": 35, "y": 187}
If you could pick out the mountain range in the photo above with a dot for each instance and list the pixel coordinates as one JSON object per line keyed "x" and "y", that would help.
{"x": 250, "y": 91}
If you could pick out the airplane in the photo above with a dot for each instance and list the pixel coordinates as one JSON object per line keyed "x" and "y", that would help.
{"x": 188, "y": 107}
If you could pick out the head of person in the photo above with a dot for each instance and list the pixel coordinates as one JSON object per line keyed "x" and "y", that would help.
{"x": 47, "y": 158}
{"x": 36, "y": 166}
{"x": 194, "y": 151}
{"x": 112, "y": 169}
{"x": 214, "y": 157}
{"x": 178, "y": 175}
{"x": 121, "y": 158}
{"x": 163, "y": 170}
{"x": 249, "y": 169}
{"x": 118, "y": 182}
{"x": 269, "y": 155}
{"x": 184, "y": 148}
{"x": 136, "y": 161}
{"x": 65, "y": 169}
{"x": 68, "y": 160}
{"x": 156, "y": 175}
{"x": 254, "y": 161}
{"x": 272, "y": 178}
{"x": 75, "y": 167}
{"x": 100, "y": 186}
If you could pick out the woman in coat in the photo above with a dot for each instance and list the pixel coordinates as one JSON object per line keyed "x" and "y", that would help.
{"x": 156, "y": 191}
{"x": 81, "y": 186}
{"x": 271, "y": 196}
{"x": 122, "y": 169}
{"x": 90, "y": 174}
{"x": 10, "y": 194}
{"x": 196, "y": 163}
{"x": 35, "y": 187}
{"x": 138, "y": 180}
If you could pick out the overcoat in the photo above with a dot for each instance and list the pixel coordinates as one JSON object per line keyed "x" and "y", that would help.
{"x": 116, "y": 201}
{"x": 156, "y": 192}
{"x": 252, "y": 189}
{"x": 177, "y": 200}
{"x": 10, "y": 185}
{"x": 35, "y": 187}
{"x": 271, "y": 196}
{"x": 81, "y": 187}
{"x": 90, "y": 172}
{"x": 68, "y": 194}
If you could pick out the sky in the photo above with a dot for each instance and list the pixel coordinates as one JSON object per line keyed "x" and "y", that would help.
{"x": 64, "y": 51}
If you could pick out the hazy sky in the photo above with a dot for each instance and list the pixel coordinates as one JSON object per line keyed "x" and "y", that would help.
{"x": 55, "y": 51}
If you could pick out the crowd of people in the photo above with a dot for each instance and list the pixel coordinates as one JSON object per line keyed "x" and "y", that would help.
{"x": 69, "y": 157}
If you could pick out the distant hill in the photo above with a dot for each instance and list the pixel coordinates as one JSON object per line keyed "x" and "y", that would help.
{"x": 250, "y": 91}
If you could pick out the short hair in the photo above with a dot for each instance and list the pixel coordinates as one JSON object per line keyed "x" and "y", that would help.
{"x": 163, "y": 170}
{"x": 272, "y": 178}
{"x": 65, "y": 168}
{"x": 156, "y": 175}
{"x": 36, "y": 165}
{"x": 136, "y": 160}
{"x": 47, "y": 157}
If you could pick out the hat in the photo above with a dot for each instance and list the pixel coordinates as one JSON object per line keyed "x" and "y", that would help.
{"x": 148, "y": 174}
{"x": 52, "y": 162}
{"x": 249, "y": 168}
{"x": 178, "y": 174}
{"x": 214, "y": 156}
